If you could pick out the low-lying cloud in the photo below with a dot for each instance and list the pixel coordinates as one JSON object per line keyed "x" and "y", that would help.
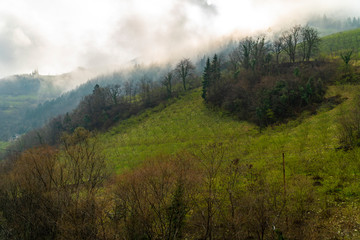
{"x": 61, "y": 35}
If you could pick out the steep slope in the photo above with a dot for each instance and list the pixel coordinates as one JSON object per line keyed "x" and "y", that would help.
{"x": 3, "y": 146}
{"x": 182, "y": 160}
{"x": 44, "y": 102}
{"x": 308, "y": 143}
{"x": 182, "y": 124}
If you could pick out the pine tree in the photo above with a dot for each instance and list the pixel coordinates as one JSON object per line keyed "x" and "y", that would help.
{"x": 215, "y": 70}
{"x": 176, "y": 214}
{"x": 206, "y": 79}
{"x": 211, "y": 78}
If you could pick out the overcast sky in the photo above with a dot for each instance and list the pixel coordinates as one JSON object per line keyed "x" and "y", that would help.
{"x": 56, "y": 36}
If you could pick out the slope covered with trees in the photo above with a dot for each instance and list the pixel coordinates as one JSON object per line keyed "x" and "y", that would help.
{"x": 189, "y": 170}
{"x": 182, "y": 165}
{"x": 143, "y": 88}
{"x": 268, "y": 82}
{"x": 42, "y": 109}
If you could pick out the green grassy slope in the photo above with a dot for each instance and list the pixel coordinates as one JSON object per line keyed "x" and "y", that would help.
{"x": 335, "y": 43}
{"x": 11, "y": 104}
{"x": 182, "y": 125}
{"x": 12, "y": 109}
{"x": 3, "y": 146}
{"x": 309, "y": 143}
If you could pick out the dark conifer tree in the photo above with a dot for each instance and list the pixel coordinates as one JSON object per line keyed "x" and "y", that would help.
{"x": 215, "y": 70}
{"x": 206, "y": 79}
{"x": 211, "y": 78}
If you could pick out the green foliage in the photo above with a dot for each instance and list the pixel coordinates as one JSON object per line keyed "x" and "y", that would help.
{"x": 346, "y": 56}
{"x": 286, "y": 98}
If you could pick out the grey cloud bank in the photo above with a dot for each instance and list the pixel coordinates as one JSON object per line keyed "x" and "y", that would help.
{"x": 59, "y": 36}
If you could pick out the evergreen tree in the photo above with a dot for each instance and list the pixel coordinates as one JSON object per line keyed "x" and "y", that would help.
{"x": 206, "y": 79}
{"x": 215, "y": 69}
{"x": 176, "y": 214}
{"x": 211, "y": 78}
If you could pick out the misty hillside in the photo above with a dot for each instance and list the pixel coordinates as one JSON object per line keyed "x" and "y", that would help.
{"x": 184, "y": 138}
{"x": 37, "y": 116}
{"x": 29, "y": 101}
{"x": 180, "y": 120}
{"x": 41, "y": 101}
{"x": 43, "y": 87}
{"x": 20, "y": 95}
{"x": 330, "y": 25}
{"x": 259, "y": 140}
{"x": 43, "y": 109}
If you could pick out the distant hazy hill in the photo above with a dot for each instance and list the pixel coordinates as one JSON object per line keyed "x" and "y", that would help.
{"x": 20, "y": 94}
{"x": 31, "y": 100}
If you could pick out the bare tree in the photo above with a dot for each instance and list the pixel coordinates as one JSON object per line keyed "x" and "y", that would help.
{"x": 251, "y": 54}
{"x": 259, "y": 52}
{"x": 168, "y": 81}
{"x": 184, "y": 69}
{"x": 130, "y": 89}
{"x": 83, "y": 172}
{"x": 291, "y": 39}
{"x": 235, "y": 58}
{"x": 153, "y": 201}
{"x": 247, "y": 46}
{"x": 211, "y": 160}
{"x": 278, "y": 47}
{"x": 310, "y": 41}
{"x": 145, "y": 86}
{"x": 115, "y": 92}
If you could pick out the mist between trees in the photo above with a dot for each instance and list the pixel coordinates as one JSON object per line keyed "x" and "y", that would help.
{"x": 257, "y": 79}
{"x": 59, "y": 185}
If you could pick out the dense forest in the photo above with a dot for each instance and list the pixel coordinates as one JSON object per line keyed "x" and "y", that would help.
{"x": 58, "y": 181}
